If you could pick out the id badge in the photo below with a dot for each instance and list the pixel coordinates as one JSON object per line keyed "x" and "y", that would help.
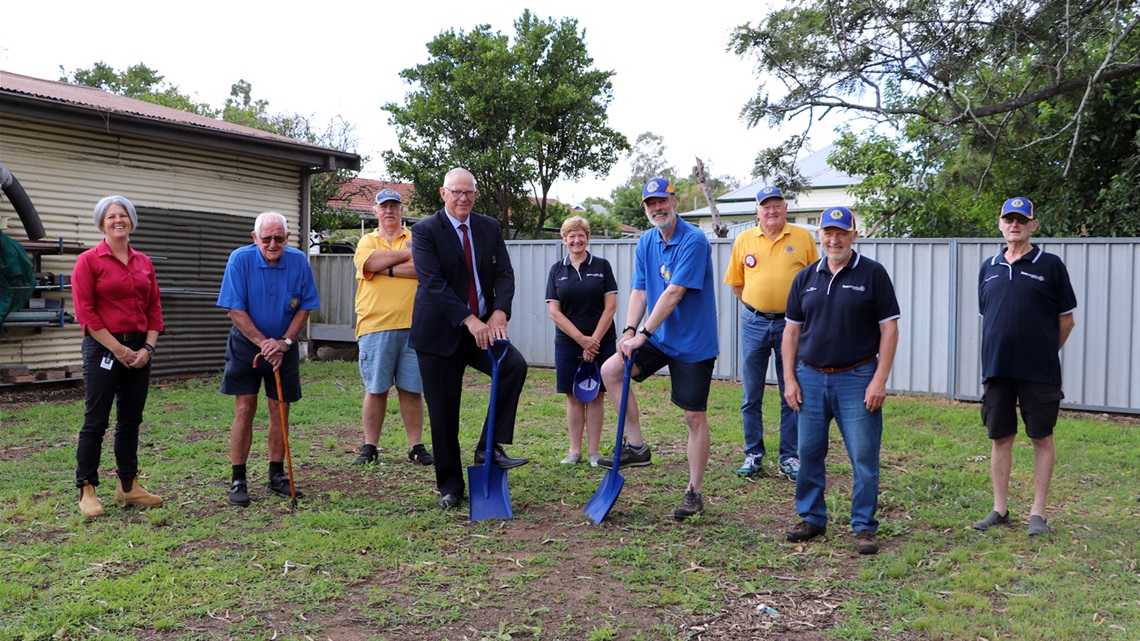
{"x": 108, "y": 361}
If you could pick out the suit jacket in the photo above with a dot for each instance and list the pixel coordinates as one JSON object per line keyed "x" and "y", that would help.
{"x": 441, "y": 299}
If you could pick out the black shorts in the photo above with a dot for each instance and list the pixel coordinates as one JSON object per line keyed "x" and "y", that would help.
{"x": 566, "y": 359}
{"x": 1040, "y": 403}
{"x": 241, "y": 379}
{"x": 690, "y": 381}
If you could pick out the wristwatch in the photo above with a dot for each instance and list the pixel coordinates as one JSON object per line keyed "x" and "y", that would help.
{"x": 645, "y": 330}
{"x": 288, "y": 342}
{"x": 628, "y": 328}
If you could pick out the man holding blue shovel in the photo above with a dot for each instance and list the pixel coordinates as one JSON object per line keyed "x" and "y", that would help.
{"x": 672, "y": 282}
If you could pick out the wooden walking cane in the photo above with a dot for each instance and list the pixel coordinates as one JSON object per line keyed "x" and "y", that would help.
{"x": 284, "y": 407}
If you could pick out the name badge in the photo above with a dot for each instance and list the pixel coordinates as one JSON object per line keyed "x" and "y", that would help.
{"x": 108, "y": 361}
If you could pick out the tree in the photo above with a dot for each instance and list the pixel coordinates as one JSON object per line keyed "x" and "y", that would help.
{"x": 627, "y": 205}
{"x": 647, "y": 159}
{"x": 527, "y": 112}
{"x": 143, "y": 83}
{"x": 990, "y": 98}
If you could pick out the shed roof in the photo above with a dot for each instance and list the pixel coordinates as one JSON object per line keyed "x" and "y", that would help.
{"x": 92, "y": 107}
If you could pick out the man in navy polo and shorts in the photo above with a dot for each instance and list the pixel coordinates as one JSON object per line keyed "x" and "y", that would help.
{"x": 269, "y": 289}
{"x": 673, "y": 282}
{"x": 1026, "y": 301}
{"x": 839, "y": 345}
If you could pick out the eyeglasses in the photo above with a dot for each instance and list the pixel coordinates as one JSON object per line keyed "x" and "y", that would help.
{"x": 460, "y": 193}
{"x": 265, "y": 240}
{"x": 1021, "y": 220}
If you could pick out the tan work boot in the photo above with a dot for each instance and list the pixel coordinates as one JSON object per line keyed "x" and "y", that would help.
{"x": 135, "y": 494}
{"x": 88, "y": 502}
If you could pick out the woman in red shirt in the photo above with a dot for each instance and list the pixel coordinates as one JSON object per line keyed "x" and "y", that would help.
{"x": 116, "y": 301}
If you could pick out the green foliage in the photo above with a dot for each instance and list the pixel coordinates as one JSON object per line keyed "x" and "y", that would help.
{"x": 515, "y": 114}
{"x": 983, "y": 100}
{"x": 647, "y": 159}
{"x": 143, "y": 83}
{"x": 627, "y": 205}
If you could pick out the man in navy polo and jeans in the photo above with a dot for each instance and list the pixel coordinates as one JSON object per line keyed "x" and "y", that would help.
{"x": 839, "y": 346}
{"x": 673, "y": 282}
{"x": 1026, "y": 301}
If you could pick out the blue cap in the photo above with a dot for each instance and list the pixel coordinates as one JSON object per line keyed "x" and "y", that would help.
{"x": 837, "y": 217}
{"x": 1018, "y": 205}
{"x": 587, "y": 382}
{"x": 384, "y": 195}
{"x": 771, "y": 191}
{"x": 657, "y": 188}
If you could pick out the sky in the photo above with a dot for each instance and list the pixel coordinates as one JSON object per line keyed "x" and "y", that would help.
{"x": 673, "y": 76}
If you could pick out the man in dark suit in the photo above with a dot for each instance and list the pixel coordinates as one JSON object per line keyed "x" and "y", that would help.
{"x": 454, "y": 320}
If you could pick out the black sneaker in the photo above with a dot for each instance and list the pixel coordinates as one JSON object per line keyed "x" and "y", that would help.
{"x": 692, "y": 504}
{"x": 239, "y": 493}
{"x": 419, "y": 454}
{"x": 279, "y": 485}
{"x": 993, "y": 519}
{"x": 630, "y": 457}
{"x": 368, "y": 454}
{"x": 805, "y": 531}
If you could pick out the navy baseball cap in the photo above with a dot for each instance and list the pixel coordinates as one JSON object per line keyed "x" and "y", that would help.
{"x": 837, "y": 217}
{"x": 384, "y": 195}
{"x": 587, "y": 382}
{"x": 657, "y": 188}
{"x": 771, "y": 191}
{"x": 1018, "y": 205}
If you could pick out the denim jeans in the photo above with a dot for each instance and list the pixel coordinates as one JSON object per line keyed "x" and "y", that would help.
{"x": 839, "y": 396}
{"x": 759, "y": 338}
{"x": 125, "y": 387}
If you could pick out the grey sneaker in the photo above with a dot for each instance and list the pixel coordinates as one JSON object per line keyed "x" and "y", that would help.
{"x": 572, "y": 458}
{"x": 630, "y": 457}
{"x": 992, "y": 519}
{"x": 751, "y": 465}
{"x": 595, "y": 460}
{"x": 1037, "y": 525}
{"x": 790, "y": 468}
{"x": 692, "y": 504}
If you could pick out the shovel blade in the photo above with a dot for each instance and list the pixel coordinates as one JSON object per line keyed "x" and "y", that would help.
{"x": 489, "y": 494}
{"x": 603, "y": 500}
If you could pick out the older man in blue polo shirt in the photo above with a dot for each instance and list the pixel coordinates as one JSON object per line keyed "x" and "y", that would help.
{"x": 673, "y": 281}
{"x": 269, "y": 289}
{"x": 839, "y": 346}
{"x": 1027, "y": 302}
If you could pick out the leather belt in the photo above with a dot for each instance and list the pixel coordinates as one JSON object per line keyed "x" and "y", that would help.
{"x": 767, "y": 315}
{"x": 128, "y": 338}
{"x": 833, "y": 370}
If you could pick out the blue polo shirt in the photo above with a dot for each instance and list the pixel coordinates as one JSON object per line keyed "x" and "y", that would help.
{"x": 270, "y": 294}
{"x": 1020, "y": 305}
{"x": 581, "y": 295}
{"x": 689, "y": 333}
{"x": 841, "y": 313}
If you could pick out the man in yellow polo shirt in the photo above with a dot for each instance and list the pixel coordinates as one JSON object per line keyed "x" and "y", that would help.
{"x": 764, "y": 261}
{"x": 385, "y": 291}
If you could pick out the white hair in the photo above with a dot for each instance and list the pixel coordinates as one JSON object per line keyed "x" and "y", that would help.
{"x": 459, "y": 172}
{"x": 264, "y": 217}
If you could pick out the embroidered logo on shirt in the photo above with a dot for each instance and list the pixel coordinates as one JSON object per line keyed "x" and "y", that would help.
{"x": 1034, "y": 276}
{"x": 789, "y": 249}
{"x": 665, "y": 272}
{"x": 858, "y": 288}
{"x": 293, "y": 304}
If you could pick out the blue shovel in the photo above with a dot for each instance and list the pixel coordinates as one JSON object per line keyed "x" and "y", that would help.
{"x": 490, "y": 496}
{"x": 603, "y": 500}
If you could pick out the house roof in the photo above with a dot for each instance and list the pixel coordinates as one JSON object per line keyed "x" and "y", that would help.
{"x": 359, "y": 194}
{"x": 93, "y": 107}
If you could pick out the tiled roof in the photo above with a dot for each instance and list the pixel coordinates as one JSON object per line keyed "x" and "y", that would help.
{"x": 359, "y": 194}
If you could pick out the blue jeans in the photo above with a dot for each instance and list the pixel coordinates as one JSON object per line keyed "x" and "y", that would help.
{"x": 759, "y": 338}
{"x": 839, "y": 396}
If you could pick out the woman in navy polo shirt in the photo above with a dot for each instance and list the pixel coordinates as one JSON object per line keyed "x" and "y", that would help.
{"x": 581, "y": 293}
{"x": 115, "y": 293}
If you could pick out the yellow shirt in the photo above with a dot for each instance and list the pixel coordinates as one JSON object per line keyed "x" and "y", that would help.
{"x": 765, "y": 269}
{"x": 382, "y": 302}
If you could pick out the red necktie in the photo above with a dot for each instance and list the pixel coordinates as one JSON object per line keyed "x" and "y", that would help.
{"x": 472, "y": 291}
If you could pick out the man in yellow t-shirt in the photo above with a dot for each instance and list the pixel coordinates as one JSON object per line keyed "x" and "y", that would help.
{"x": 764, "y": 261}
{"x": 385, "y": 292}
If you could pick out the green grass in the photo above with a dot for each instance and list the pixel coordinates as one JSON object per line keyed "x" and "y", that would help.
{"x": 368, "y": 556}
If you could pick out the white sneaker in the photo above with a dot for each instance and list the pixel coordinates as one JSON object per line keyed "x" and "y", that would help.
{"x": 572, "y": 458}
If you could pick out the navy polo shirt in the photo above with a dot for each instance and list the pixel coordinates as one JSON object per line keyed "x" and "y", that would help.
{"x": 840, "y": 313}
{"x": 1020, "y": 305}
{"x": 581, "y": 294}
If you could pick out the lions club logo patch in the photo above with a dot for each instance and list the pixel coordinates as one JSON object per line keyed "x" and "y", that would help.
{"x": 665, "y": 272}
{"x": 1017, "y": 202}
{"x": 750, "y": 261}
{"x": 836, "y": 214}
